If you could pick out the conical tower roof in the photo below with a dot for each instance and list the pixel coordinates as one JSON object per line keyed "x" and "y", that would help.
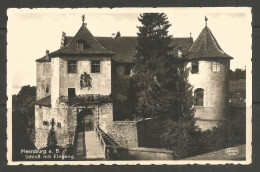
{"x": 92, "y": 45}
{"x": 206, "y": 46}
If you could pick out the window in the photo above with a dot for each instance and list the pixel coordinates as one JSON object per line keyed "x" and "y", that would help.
{"x": 45, "y": 123}
{"x": 81, "y": 45}
{"x": 95, "y": 66}
{"x": 199, "y": 97}
{"x": 72, "y": 66}
{"x": 194, "y": 67}
{"x": 47, "y": 89}
{"x": 59, "y": 125}
{"x": 71, "y": 93}
{"x": 216, "y": 67}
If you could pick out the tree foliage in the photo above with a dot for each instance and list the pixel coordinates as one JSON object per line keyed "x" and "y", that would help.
{"x": 187, "y": 140}
{"x": 23, "y": 105}
{"x": 123, "y": 98}
{"x": 52, "y": 140}
{"x": 161, "y": 82}
{"x": 237, "y": 74}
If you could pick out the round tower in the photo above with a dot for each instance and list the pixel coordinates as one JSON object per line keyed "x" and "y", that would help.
{"x": 209, "y": 74}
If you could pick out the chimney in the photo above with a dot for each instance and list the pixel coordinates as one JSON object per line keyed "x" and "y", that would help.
{"x": 63, "y": 39}
{"x": 113, "y": 36}
{"x": 180, "y": 51}
{"x": 47, "y": 55}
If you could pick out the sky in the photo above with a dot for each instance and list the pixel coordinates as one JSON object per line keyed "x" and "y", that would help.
{"x": 30, "y": 32}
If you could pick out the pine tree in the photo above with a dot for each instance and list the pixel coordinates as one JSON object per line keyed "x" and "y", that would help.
{"x": 161, "y": 83}
{"x": 52, "y": 140}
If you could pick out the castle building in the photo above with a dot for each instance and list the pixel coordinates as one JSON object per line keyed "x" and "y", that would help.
{"x": 74, "y": 83}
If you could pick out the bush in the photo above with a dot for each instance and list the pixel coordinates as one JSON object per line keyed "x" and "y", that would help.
{"x": 181, "y": 136}
{"x": 186, "y": 139}
{"x": 229, "y": 133}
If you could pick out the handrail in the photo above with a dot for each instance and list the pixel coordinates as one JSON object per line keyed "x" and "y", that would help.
{"x": 101, "y": 140}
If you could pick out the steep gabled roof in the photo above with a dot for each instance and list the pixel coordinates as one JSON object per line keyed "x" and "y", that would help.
{"x": 93, "y": 47}
{"x": 206, "y": 46}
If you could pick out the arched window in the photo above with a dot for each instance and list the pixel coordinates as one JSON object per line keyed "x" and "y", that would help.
{"x": 81, "y": 45}
{"x": 199, "y": 97}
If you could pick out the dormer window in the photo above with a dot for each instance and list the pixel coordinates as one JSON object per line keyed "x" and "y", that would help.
{"x": 180, "y": 51}
{"x": 81, "y": 45}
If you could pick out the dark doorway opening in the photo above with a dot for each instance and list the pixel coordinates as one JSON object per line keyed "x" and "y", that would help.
{"x": 71, "y": 93}
{"x": 86, "y": 120}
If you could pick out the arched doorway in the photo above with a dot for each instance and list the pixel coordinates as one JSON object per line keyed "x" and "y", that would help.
{"x": 86, "y": 120}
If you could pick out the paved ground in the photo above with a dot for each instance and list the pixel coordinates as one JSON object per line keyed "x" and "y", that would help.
{"x": 88, "y": 147}
{"x": 80, "y": 151}
{"x": 93, "y": 147}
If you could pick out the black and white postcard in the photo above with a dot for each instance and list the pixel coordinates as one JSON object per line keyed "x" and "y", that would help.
{"x": 129, "y": 86}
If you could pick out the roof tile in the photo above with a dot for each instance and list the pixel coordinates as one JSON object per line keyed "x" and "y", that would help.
{"x": 46, "y": 101}
{"x": 206, "y": 46}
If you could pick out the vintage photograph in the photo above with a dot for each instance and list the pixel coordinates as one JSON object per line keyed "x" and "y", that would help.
{"x": 129, "y": 86}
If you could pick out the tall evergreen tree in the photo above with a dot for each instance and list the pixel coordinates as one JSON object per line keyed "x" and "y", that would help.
{"x": 52, "y": 140}
{"x": 161, "y": 83}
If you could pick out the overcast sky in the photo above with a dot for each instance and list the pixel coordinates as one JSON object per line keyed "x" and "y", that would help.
{"x": 33, "y": 31}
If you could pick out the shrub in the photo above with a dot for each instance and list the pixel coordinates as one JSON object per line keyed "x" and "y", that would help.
{"x": 186, "y": 139}
{"x": 181, "y": 136}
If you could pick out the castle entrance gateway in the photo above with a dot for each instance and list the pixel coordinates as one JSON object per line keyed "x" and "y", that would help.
{"x": 86, "y": 120}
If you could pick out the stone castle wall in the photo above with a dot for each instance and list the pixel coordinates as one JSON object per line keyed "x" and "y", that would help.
{"x": 105, "y": 116}
{"x": 66, "y": 116}
{"x": 125, "y": 133}
{"x": 43, "y": 74}
{"x": 133, "y": 133}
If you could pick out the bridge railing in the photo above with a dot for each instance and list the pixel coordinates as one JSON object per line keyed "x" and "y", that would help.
{"x": 101, "y": 140}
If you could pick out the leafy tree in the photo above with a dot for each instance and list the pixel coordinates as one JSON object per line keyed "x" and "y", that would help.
{"x": 23, "y": 105}
{"x": 161, "y": 82}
